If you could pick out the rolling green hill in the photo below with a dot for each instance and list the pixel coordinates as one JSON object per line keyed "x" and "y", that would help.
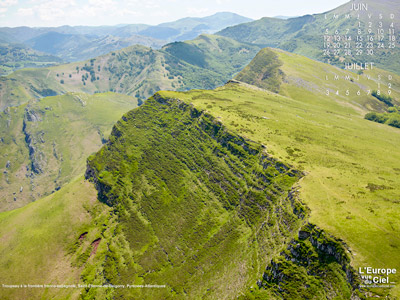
{"x": 44, "y": 143}
{"x": 138, "y": 71}
{"x": 305, "y": 35}
{"x": 18, "y": 56}
{"x": 220, "y": 55}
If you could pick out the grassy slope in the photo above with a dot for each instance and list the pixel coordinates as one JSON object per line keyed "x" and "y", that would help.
{"x": 35, "y": 240}
{"x": 137, "y": 70}
{"x": 71, "y": 127}
{"x": 212, "y": 52}
{"x": 352, "y": 186}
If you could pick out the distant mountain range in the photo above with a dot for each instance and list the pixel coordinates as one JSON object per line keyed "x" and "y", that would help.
{"x": 75, "y": 47}
{"x": 189, "y": 28}
{"x": 75, "y": 43}
{"x": 285, "y": 17}
{"x": 182, "y": 29}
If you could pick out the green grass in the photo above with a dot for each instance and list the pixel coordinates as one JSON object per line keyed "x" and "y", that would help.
{"x": 36, "y": 241}
{"x": 71, "y": 127}
{"x": 215, "y": 53}
{"x": 263, "y": 71}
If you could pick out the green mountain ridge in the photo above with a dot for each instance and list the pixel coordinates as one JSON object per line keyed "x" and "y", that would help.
{"x": 351, "y": 163}
{"x": 294, "y": 76}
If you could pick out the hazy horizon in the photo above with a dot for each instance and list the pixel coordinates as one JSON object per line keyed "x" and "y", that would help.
{"x": 54, "y": 13}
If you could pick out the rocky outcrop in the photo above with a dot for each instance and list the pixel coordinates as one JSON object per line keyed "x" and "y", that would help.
{"x": 31, "y": 115}
{"x": 103, "y": 190}
{"x": 313, "y": 258}
{"x": 333, "y": 247}
{"x": 37, "y": 157}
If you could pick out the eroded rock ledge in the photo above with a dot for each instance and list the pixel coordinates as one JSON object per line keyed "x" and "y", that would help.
{"x": 314, "y": 263}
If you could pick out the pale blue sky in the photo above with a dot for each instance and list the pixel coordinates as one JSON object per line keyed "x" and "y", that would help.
{"x": 111, "y": 12}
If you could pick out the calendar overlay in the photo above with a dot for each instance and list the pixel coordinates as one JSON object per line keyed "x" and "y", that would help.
{"x": 362, "y": 36}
